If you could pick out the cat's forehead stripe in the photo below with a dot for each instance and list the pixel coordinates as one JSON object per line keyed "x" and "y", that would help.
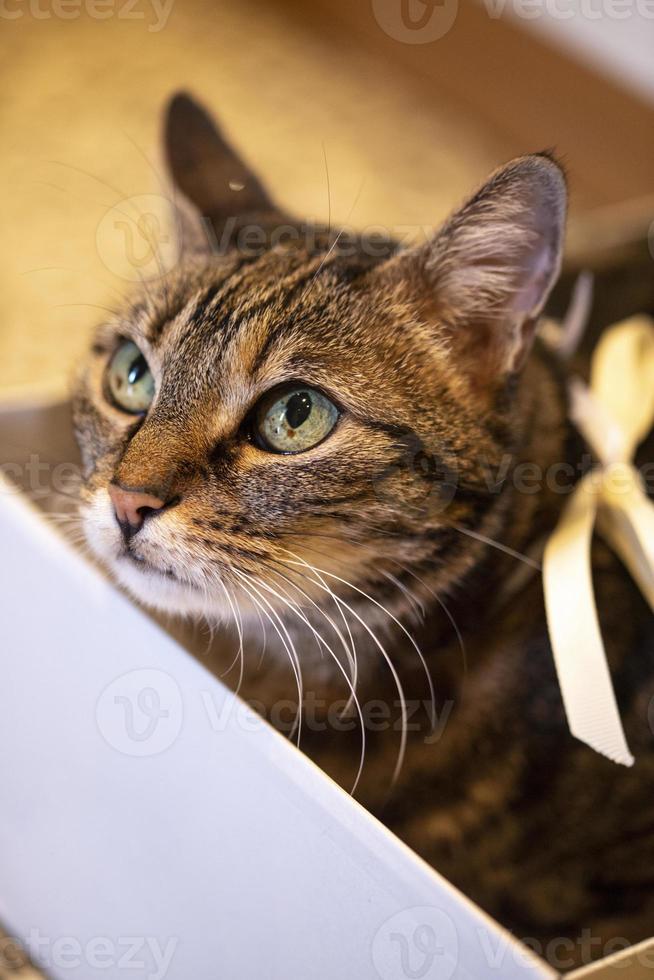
{"x": 207, "y": 298}
{"x": 249, "y": 285}
{"x": 279, "y": 295}
{"x": 257, "y": 302}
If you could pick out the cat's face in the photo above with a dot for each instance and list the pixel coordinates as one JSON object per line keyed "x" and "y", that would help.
{"x": 260, "y": 430}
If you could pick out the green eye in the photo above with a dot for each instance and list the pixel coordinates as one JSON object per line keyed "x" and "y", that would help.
{"x": 294, "y": 419}
{"x": 129, "y": 379}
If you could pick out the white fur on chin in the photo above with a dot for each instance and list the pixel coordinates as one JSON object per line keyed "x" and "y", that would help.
{"x": 152, "y": 588}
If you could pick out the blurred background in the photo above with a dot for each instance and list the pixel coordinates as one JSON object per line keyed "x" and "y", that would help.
{"x": 378, "y": 112}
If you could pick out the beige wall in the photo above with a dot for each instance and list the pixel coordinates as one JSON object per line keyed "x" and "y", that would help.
{"x": 80, "y": 113}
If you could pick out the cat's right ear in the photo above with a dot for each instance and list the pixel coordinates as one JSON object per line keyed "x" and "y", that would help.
{"x": 216, "y": 193}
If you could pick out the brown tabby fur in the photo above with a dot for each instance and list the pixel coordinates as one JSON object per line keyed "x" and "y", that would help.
{"x": 427, "y": 359}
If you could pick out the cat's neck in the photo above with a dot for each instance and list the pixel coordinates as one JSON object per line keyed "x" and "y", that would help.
{"x": 532, "y": 490}
{"x": 547, "y": 456}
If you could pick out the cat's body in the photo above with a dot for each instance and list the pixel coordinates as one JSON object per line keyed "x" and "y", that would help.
{"x": 405, "y": 381}
{"x": 555, "y": 841}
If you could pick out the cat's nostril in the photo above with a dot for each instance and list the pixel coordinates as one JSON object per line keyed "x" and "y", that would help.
{"x": 133, "y": 507}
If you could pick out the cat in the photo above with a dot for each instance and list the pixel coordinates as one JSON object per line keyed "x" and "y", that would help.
{"x": 323, "y": 439}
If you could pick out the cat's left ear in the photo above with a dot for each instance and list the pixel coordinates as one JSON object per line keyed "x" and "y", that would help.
{"x": 216, "y": 193}
{"x": 486, "y": 275}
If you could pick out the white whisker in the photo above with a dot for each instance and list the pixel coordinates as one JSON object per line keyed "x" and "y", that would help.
{"x": 411, "y": 639}
{"x": 389, "y": 662}
{"x": 353, "y": 696}
{"x": 349, "y": 649}
{"x": 286, "y": 640}
{"x": 497, "y": 544}
{"x": 447, "y": 612}
{"x": 240, "y": 656}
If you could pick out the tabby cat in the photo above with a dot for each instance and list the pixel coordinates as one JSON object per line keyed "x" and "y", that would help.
{"x": 321, "y": 439}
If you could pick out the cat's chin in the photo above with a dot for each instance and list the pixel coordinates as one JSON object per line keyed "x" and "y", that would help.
{"x": 162, "y": 592}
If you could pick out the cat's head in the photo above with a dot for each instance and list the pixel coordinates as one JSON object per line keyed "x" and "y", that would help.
{"x": 261, "y": 426}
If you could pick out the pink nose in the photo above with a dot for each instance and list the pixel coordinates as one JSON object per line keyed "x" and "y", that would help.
{"x": 133, "y": 506}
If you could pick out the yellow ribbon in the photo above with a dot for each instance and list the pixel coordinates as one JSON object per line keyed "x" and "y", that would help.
{"x": 614, "y": 415}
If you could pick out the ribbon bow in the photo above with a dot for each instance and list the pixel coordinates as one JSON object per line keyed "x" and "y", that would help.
{"x": 614, "y": 415}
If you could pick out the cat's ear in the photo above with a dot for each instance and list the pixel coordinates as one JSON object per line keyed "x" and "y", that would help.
{"x": 486, "y": 275}
{"x": 215, "y": 191}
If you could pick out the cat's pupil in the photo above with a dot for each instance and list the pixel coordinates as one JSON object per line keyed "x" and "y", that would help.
{"x": 298, "y": 409}
{"x": 138, "y": 369}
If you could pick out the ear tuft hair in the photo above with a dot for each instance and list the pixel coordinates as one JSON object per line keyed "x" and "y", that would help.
{"x": 500, "y": 254}
{"x": 487, "y": 273}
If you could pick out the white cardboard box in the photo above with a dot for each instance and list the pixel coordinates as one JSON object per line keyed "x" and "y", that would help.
{"x": 147, "y": 816}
